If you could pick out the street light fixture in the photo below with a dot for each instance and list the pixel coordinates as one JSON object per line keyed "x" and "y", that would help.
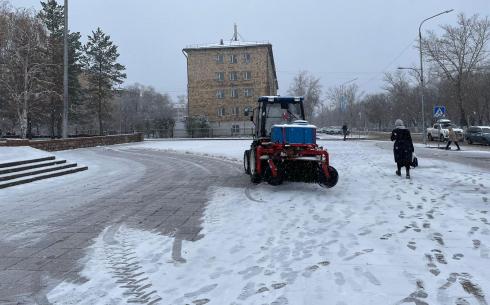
{"x": 413, "y": 69}
{"x": 422, "y": 72}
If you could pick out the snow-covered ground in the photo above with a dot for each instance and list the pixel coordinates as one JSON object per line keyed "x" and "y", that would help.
{"x": 375, "y": 238}
{"x": 56, "y": 195}
{"x": 12, "y": 154}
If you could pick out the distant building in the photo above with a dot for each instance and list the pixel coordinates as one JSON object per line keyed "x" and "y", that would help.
{"x": 227, "y": 78}
{"x": 180, "y": 112}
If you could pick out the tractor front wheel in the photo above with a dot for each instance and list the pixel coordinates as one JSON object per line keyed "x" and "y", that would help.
{"x": 254, "y": 176}
{"x": 246, "y": 162}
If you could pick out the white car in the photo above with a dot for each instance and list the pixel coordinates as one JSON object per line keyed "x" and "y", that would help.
{"x": 439, "y": 131}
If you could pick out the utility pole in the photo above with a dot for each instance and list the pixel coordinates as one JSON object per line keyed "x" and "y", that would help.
{"x": 65, "y": 74}
{"x": 422, "y": 85}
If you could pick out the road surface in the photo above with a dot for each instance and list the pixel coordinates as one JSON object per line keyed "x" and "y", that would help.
{"x": 42, "y": 242}
{"x": 177, "y": 222}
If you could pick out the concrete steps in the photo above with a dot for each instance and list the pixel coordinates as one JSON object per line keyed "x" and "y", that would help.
{"x": 26, "y": 171}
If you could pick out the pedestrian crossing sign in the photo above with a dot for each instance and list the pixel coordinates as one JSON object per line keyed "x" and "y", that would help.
{"x": 439, "y": 111}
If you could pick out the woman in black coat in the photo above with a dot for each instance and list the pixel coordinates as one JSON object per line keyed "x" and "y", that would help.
{"x": 403, "y": 147}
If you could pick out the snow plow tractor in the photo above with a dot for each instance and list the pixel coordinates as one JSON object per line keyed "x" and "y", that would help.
{"x": 284, "y": 145}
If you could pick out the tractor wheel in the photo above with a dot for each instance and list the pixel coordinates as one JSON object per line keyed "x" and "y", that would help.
{"x": 441, "y": 138}
{"x": 254, "y": 176}
{"x": 430, "y": 137}
{"x": 332, "y": 180}
{"x": 246, "y": 162}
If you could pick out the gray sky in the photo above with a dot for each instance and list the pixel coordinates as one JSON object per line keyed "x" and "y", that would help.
{"x": 336, "y": 40}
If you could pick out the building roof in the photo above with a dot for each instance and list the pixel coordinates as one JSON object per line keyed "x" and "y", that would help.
{"x": 235, "y": 44}
{"x": 228, "y": 44}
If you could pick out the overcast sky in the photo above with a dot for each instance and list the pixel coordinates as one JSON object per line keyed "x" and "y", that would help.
{"x": 334, "y": 40}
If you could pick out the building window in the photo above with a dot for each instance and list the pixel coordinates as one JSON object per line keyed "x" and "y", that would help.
{"x": 220, "y": 76}
{"x": 234, "y": 92}
{"x": 220, "y": 58}
{"x": 248, "y": 92}
{"x": 247, "y": 75}
{"x": 235, "y": 128}
{"x": 233, "y": 59}
{"x": 247, "y": 111}
{"x": 247, "y": 58}
{"x": 220, "y": 93}
{"x": 234, "y": 75}
{"x": 235, "y": 111}
{"x": 221, "y": 111}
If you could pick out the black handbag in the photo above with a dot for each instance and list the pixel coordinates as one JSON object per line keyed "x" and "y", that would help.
{"x": 415, "y": 161}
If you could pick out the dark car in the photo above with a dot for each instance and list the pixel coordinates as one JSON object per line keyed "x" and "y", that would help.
{"x": 478, "y": 134}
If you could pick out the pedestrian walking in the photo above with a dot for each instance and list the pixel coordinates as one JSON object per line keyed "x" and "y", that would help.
{"x": 452, "y": 138}
{"x": 344, "y": 131}
{"x": 402, "y": 148}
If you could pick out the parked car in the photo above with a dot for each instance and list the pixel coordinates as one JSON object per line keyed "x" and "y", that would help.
{"x": 323, "y": 130}
{"x": 334, "y": 130}
{"x": 439, "y": 131}
{"x": 478, "y": 134}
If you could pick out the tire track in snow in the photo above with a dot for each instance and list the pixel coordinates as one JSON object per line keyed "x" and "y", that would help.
{"x": 123, "y": 263}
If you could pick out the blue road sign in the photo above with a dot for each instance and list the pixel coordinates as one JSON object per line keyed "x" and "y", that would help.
{"x": 439, "y": 111}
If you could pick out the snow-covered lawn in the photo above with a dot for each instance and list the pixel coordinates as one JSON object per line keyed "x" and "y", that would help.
{"x": 375, "y": 238}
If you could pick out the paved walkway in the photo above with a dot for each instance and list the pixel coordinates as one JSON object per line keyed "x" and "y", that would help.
{"x": 169, "y": 197}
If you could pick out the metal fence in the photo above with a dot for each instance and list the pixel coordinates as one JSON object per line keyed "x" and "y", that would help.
{"x": 197, "y": 133}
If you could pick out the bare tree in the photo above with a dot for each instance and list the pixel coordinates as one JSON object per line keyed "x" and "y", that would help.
{"x": 404, "y": 98}
{"x": 378, "y": 109}
{"x": 22, "y": 63}
{"x": 305, "y": 84}
{"x": 458, "y": 52}
{"x": 344, "y": 100}
{"x": 143, "y": 109}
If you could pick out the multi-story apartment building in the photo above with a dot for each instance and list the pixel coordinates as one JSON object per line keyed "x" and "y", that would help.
{"x": 225, "y": 79}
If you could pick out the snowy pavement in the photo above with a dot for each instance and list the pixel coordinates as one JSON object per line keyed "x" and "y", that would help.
{"x": 375, "y": 238}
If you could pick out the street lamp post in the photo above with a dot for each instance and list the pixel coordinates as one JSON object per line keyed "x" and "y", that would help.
{"x": 422, "y": 86}
{"x": 65, "y": 73}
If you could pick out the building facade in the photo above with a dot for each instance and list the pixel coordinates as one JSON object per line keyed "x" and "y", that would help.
{"x": 225, "y": 79}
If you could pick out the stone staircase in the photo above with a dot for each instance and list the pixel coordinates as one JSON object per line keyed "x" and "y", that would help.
{"x": 25, "y": 171}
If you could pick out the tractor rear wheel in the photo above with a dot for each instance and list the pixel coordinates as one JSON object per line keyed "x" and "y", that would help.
{"x": 330, "y": 181}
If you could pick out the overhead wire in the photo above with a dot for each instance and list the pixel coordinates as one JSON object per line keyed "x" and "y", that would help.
{"x": 390, "y": 63}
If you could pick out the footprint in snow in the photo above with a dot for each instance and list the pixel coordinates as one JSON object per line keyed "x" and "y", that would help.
{"x": 386, "y": 236}
{"x": 430, "y": 264}
{"x": 339, "y": 278}
{"x": 438, "y": 238}
{"x": 473, "y": 230}
{"x": 356, "y": 254}
{"x": 439, "y": 256}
